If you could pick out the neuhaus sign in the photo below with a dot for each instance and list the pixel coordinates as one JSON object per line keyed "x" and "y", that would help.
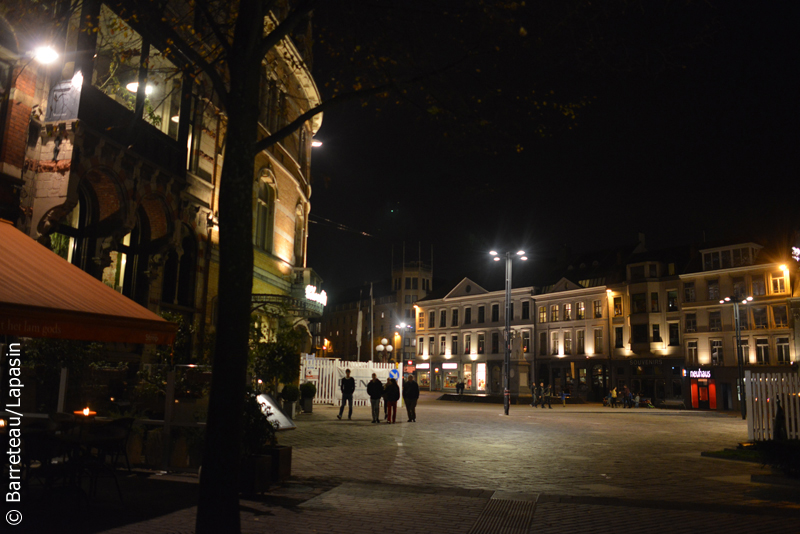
{"x": 699, "y": 373}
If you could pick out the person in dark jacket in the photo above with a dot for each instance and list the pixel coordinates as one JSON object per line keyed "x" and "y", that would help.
{"x": 375, "y": 392}
{"x": 410, "y": 397}
{"x": 392, "y": 396}
{"x": 348, "y": 387}
{"x": 546, "y": 393}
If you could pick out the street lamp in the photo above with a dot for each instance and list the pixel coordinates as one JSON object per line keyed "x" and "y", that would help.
{"x": 507, "y": 333}
{"x": 403, "y": 327}
{"x": 384, "y": 346}
{"x": 740, "y": 357}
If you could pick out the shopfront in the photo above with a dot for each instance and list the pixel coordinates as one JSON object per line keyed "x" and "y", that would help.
{"x": 702, "y": 388}
{"x": 657, "y": 379}
{"x": 423, "y": 372}
{"x": 450, "y": 374}
{"x": 480, "y": 377}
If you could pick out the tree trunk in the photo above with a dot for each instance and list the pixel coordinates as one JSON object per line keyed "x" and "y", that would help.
{"x": 218, "y": 505}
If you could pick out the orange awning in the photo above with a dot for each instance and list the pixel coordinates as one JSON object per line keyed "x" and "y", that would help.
{"x": 43, "y": 295}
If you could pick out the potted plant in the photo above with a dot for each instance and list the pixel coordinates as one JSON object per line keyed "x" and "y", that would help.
{"x": 290, "y": 395}
{"x": 258, "y": 438}
{"x": 307, "y": 392}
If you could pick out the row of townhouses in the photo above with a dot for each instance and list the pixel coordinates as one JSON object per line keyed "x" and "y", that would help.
{"x": 655, "y": 322}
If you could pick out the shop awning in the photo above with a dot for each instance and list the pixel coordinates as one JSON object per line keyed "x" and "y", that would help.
{"x": 43, "y": 295}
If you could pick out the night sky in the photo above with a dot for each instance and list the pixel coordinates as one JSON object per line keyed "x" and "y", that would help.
{"x": 699, "y": 146}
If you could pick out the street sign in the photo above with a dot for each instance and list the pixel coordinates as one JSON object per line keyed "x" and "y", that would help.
{"x": 394, "y": 373}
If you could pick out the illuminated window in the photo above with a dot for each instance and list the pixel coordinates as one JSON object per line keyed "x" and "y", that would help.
{"x": 526, "y": 341}
{"x": 580, "y": 310}
{"x": 420, "y": 319}
{"x": 617, "y": 306}
{"x": 542, "y": 314}
{"x": 481, "y": 343}
{"x": 554, "y": 313}
{"x": 554, "y": 343}
{"x": 778, "y": 282}
{"x": 672, "y": 300}
{"x": 567, "y": 312}
{"x": 567, "y": 342}
{"x": 717, "y": 356}
{"x": 598, "y": 309}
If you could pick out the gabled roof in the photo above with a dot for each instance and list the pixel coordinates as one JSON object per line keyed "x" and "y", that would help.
{"x": 465, "y": 288}
{"x": 564, "y": 285}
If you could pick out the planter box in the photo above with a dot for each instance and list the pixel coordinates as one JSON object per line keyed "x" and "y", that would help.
{"x": 307, "y": 404}
{"x": 255, "y": 474}
{"x": 289, "y": 408}
{"x": 281, "y": 462}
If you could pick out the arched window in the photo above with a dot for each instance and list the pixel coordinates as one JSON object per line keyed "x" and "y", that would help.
{"x": 265, "y": 213}
{"x": 299, "y": 234}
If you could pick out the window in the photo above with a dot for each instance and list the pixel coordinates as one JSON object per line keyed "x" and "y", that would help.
{"x": 674, "y": 334}
{"x": 542, "y": 314}
{"x": 779, "y": 316}
{"x": 454, "y": 318}
{"x": 554, "y": 343}
{"x": 481, "y": 314}
{"x": 717, "y": 357}
{"x": 567, "y": 312}
{"x": 762, "y": 351}
{"x": 598, "y": 309}
{"x": 420, "y": 319}
{"x": 639, "y": 333}
{"x": 432, "y": 319}
{"x": 408, "y": 282}
{"x": 454, "y": 345}
{"x": 691, "y": 322}
{"x": 739, "y": 289}
{"x": 741, "y": 256}
{"x": 714, "y": 321}
{"x": 713, "y": 290}
{"x": 598, "y": 341}
{"x": 526, "y": 341}
{"x": 554, "y": 313}
{"x": 691, "y": 351}
{"x": 688, "y": 292}
{"x": 656, "y": 332}
{"x": 639, "y": 303}
{"x": 431, "y": 345}
{"x": 495, "y": 313}
{"x": 442, "y": 318}
{"x": 782, "y": 344}
{"x": 442, "y": 345}
{"x": 672, "y": 300}
{"x": 543, "y": 344}
{"x": 265, "y": 214}
{"x": 710, "y": 261}
{"x": 495, "y": 343}
{"x": 654, "y": 301}
{"x": 652, "y": 270}
{"x": 481, "y": 343}
{"x": 778, "y": 282}
{"x": 568, "y": 342}
{"x": 760, "y": 318}
{"x": 617, "y": 306}
{"x": 467, "y": 344}
{"x": 637, "y": 272}
{"x": 408, "y": 299}
{"x": 580, "y": 342}
{"x": 526, "y": 310}
{"x": 744, "y": 347}
{"x": 759, "y": 288}
{"x": 580, "y": 311}
{"x": 420, "y": 345}
{"x": 618, "y": 337}
{"x": 510, "y": 311}
{"x": 467, "y": 315}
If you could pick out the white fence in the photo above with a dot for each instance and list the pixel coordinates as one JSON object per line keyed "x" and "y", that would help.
{"x": 325, "y": 372}
{"x": 762, "y": 390}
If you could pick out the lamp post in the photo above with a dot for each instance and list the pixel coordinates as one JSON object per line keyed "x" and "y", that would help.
{"x": 384, "y": 346}
{"x": 507, "y": 333}
{"x": 403, "y": 327}
{"x": 739, "y": 356}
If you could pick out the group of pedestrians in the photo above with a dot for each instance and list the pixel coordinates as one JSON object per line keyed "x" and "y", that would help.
{"x": 377, "y": 391}
{"x": 541, "y": 395}
{"x": 627, "y": 398}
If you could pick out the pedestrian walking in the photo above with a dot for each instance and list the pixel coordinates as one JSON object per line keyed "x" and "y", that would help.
{"x": 348, "y": 388}
{"x": 539, "y": 395}
{"x": 385, "y": 400}
{"x": 613, "y": 397}
{"x": 410, "y": 397}
{"x": 375, "y": 392}
{"x": 460, "y": 387}
{"x": 392, "y": 396}
{"x": 546, "y": 393}
{"x": 564, "y": 397}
